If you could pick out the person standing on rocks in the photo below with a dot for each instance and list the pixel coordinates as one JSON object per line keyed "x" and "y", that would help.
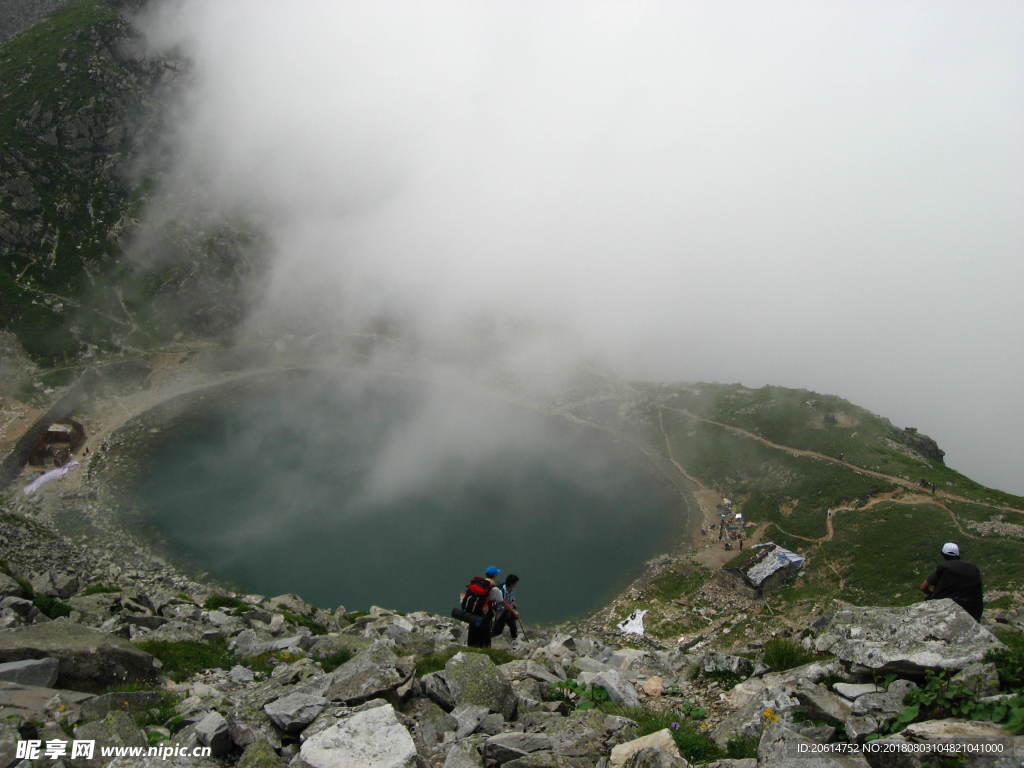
{"x": 480, "y": 634}
{"x": 507, "y": 612}
{"x": 956, "y": 579}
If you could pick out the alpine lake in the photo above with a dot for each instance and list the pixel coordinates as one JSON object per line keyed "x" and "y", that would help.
{"x": 361, "y": 490}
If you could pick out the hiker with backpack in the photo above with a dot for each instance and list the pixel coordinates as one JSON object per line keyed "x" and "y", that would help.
{"x": 507, "y": 613}
{"x": 477, "y": 606}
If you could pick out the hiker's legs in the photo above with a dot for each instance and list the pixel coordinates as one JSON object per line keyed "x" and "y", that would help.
{"x": 512, "y": 628}
{"x": 479, "y": 637}
{"x": 499, "y": 625}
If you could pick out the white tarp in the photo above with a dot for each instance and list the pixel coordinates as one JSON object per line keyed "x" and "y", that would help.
{"x": 775, "y": 559}
{"x": 53, "y": 474}
{"x": 634, "y": 623}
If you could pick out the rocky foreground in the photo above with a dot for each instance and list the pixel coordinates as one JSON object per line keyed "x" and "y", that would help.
{"x": 292, "y": 684}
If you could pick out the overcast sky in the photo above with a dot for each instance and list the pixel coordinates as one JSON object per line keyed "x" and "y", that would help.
{"x": 813, "y": 194}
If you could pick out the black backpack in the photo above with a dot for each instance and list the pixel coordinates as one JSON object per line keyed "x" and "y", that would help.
{"x": 476, "y": 602}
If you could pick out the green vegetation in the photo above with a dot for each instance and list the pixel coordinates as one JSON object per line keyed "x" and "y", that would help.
{"x": 681, "y": 581}
{"x": 304, "y": 621}
{"x": 576, "y": 695}
{"x": 435, "y": 662}
{"x": 159, "y": 715}
{"x": 1009, "y": 661}
{"x": 99, "y": 589}
{"x": 51, "y": 606}
{"x": 829, "y": 425}
{"x": 884, "y": 553}
{"x": 792, "y": 491}
{"x": 217, "y": 602}
{"x": 780, "y": 654}
{"x": 184, "y": 658}
{"x": 940, "y": 697}
{"x": 331, "y": 661}
{"x": 694, "y": 744}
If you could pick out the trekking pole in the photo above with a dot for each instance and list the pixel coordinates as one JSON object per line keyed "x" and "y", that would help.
{"x": 523, "y": 630}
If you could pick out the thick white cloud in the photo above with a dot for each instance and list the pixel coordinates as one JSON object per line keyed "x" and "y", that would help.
{"x": 810, "y": 194}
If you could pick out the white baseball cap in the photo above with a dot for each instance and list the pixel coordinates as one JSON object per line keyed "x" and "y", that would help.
{"x": 949, "y": 548}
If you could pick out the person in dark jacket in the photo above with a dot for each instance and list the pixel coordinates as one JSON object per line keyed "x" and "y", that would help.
{"x": 480, "y": 634}
{"x": 507, "y": 613}
{"x": 956, "y": 579}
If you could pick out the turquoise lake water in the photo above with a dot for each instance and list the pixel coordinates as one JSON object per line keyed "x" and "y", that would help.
{"x": 356, "y": 491}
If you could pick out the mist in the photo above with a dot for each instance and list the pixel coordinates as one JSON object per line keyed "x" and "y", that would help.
{"x": 819, "y": 195}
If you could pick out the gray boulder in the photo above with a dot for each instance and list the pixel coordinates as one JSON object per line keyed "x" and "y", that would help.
{"x": 822, "y": 704}
{"x": 852, "y": 690}
{"x": 472, "y": 678}
{"x": 430, "y": 723}
{"x": 505, "y": 747}
{"x": 468, "y": 718}
{"x": 30, "y": 702}
{"x": 117, "y": 729}
{"x": 758, "y": 710}
{"x": 930, "y": 635}
{"x": 370, "y": 673}
{"x": 659, "y": 741}
{"x": 586, "y": 735}
{"x": 295, "y": 711}
{"x": 213, "y": 732}
{"x": 620, "y": 691}
{"x": 722, "y": 662}
{"x": 370, "y": 737}
{"x": 9, "y": 738}
{"x": 88, "y": 659}
{"x": 9, "y": 587}
{"x": 463, "y": 756}
{"x": 41, "y": 672}
{"x": 56, "y": 584}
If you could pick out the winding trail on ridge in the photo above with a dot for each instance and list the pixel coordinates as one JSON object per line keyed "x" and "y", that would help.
{"x": 896, "y": 480}
{"x": 897, "y": 496}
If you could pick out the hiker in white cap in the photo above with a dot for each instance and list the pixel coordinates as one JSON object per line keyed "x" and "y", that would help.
{"x": 956, "y": 579}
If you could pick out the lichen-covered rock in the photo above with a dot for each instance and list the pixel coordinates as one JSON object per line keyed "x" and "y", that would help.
{"x": 370, "y": 673}
{"x": 472, "y": 678}
{"x": 463, "y": 756}
{"x": 260, "y": 754}
{"x": 934, "y": 634}
{"x": 88, "y": 659}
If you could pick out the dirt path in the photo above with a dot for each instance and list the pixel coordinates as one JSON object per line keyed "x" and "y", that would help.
{"x": 900, "y": 481}
{"x": 711, "y": 553}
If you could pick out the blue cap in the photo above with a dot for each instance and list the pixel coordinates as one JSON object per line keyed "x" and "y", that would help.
{"x": 492, "y": 571}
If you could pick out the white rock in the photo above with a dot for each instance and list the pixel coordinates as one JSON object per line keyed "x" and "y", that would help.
{"x": 371, "y": 738}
